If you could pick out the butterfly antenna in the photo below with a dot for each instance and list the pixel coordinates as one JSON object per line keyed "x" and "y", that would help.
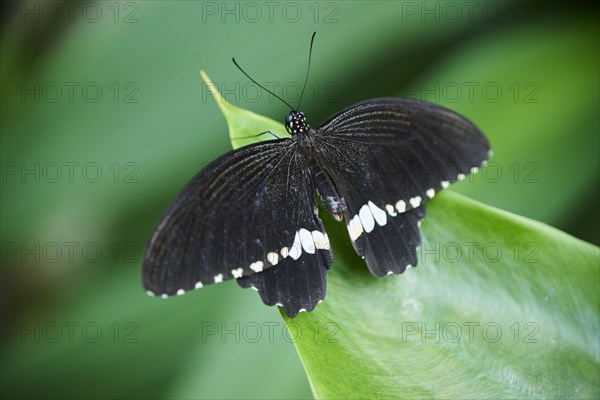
{"x": 307, "y": 69}
{"x": 259, "y": 85}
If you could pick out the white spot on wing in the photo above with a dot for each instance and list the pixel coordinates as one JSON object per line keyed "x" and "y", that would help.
{"x": 180, "y": 292}
{"x": 285, "y": 252}
{"x": 199, "y": 285}
{"x": 390, "y": 272}
{"x": 321, "y": 240}
{"x": 273, "y": 258}
{"x": 150, "y": 293}
{"x": 415, "y": 201}
{"x": 302, "y": 310}
{"x": 219, "y": 278}
{"x": 401, "y": 206}
{"x": 164, "y": 296}
{"x": 391, "y": 210}
{"x": 445, "y": 184}
{"x": 253, "y": 288}
{"x": 279, "y": 304}
{"x": 460, "y": 177}
{"x": 474, "y": 170}
{"x": 378, "y": 214}
{"x": 257, "y": 266}
{"x": 430, "y": 193}
{"x": 237, "y": 273}
{"x": 355, "y": 228}
{"x": 296, "y": 250}
{"x": 366, "y": 218}
{"x": 308, "y": 245}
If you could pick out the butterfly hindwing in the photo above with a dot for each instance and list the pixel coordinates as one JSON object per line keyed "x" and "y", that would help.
{"x": 295, "y": 285}
{"x": 392, "y": 248}
{"x": 386, "y": 158}
{"x": 244, "y": 213}
{"x": 298, "y": 284}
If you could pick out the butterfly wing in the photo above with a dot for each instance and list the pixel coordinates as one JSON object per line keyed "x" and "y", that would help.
{"x": 295, "y": 285}
{"x": 387, "y": 157}
{"x": 246, "y": 212}
{"x": 298, "y": 283}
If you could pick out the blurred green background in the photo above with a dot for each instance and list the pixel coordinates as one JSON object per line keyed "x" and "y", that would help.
{"x": 104, "y": 118}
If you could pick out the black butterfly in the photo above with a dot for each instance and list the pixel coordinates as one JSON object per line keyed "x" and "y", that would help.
{"x": 252, "y": 214}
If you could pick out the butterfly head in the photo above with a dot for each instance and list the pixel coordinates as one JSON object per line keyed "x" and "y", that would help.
{"x": 295, "y": 123}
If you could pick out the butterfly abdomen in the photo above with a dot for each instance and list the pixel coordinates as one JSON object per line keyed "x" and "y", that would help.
{"x": 334, "y": 204}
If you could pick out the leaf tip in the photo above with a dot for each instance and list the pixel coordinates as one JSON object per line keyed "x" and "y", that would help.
{"x": 212, "y": 88}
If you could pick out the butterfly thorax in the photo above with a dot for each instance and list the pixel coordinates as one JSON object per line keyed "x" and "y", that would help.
{"x": 296, "y": 125}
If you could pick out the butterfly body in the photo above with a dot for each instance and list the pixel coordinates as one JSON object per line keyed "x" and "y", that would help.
{"x": 252, "y": 214}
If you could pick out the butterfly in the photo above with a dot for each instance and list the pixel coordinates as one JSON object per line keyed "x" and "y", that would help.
{"x": 252, "y": 214}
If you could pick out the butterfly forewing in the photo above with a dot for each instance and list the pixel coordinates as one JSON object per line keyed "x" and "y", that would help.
{"x": 405, "y": 145}
{"x": 243, "y": 214}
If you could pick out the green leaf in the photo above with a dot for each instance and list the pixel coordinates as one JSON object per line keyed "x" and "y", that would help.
{"x": 245, "y": 127}
{"x": 499, "y": 306}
